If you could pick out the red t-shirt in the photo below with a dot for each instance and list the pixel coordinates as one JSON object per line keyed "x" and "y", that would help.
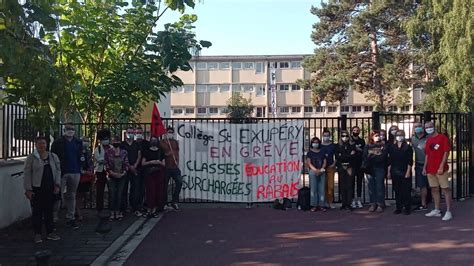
{"x": 435, "y": 148}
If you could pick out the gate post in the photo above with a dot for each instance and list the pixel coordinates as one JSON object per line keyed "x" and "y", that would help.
{"x": 343, "y": 125}
{"x": 376, "y": 120}
{"x": 470, "y": 138}
{"x": 459, "y": 165}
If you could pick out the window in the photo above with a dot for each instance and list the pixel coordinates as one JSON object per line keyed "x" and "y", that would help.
{"x": 295, "y": 87}
{"x": 392, "y": 108}
{"x": 356, "y": 109}
{"x": 368, "y": 108}
{"x": 247, "y": 88}
{"x": 213, "y": 110}
{"x": 177, "y": 89}
{"x": 345, "y": 108}
{"x": 224, "y": 87}
{"x": 284, "y": 65}
{"x": 236, "y": 65}
{"x": 284, "y": 109}
{"x": 405, "y": 109}
{"x": 260, "y": 112}
{"x": 188, "y": 88}
{"x": 320, "y": 109}
{"x": 190, "y": 110}
{"x": 284, "y": 87}
{"x": 212, "y": 88}
{"x": 332, "y": 109}
{"x": 273, "y": 64}
{"x": 224, "y": 65}
{"x": 202, "y": 110}
{"x": 308, "y": 109}
{"x": 212, "y": 65}
{"x": 201, "y": 65}
{"x": 259, "y": 68}
{"x": 415, "y": 108}
{"x": 224, "y": 110}
{"x": 177, "y": 111}
{"x": 201, "y": 88}
{"x": 296, "y": 109}
{"x": 260, "y": 89}
{"x": 248, "y": 65}
{"x": 296, "y": 64}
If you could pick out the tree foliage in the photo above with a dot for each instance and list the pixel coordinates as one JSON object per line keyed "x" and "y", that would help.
{"x": 360, "y": 45}
{"x": 107, "y": 60}
{"x": 442, "y": 34}
{"x": 239, "y": 107}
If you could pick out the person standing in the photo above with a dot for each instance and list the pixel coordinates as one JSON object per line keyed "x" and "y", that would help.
{"x": 136, "y": 181}
{"x": 316, "y": 163}
{"x": 418, "y": 142}
{"x": 399, "y": 170}
{"x": 42, "y": 180}
{"x": 436, "y": 168}
{"x": 345, "y": 157}
{"x": 116, "y": 165}
{"x": 100, "y": 173}
{"x": 87, "y": 177}
{"x": 153, "y": 163}
{"x": 328, "y": 148}
{"x": 359, "y": 144}
{"x": 392, "y": 134}
{"x": 375, "y": 165}
{"x": 170, "y": 147}
{"x": 69, "y": 151}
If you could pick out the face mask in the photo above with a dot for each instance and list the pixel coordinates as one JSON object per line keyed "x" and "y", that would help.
{"x": 153, "y": 143}
{"x": 355, "y": 134}
{"x": 400, "y": 138}
{"x": 116, "y": 145}
{"x": 69, "y": 133}
{"x": 376, "y": 139}
{"x": 382, "y": 137}
{"x": 429, "y": 130}
{"x": 129, "y": 136}
{"x": 315, "y": 145}
{"x": 345, "y": 139}
{"x": 393, "y": 132}
{"x": 418, "y": 130}
{"x": 326, "y": 139}
{"x": 105, "y": 142}
{"x": 138, "y": 137}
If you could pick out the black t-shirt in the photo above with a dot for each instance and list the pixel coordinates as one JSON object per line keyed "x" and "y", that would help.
{"x": 150, "y": 155}
{"x": 132, "y": 151}
{"x": 47, "y": 181}
{"x": 359, "y": 143}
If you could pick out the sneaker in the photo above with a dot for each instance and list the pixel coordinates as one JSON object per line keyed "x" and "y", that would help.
{"x": 359, "y": 205}
{"x": 332, "y": 206}
{"x": 379, "y": 209}
{"x": 53, "y": 237}
{"x": 434, "y": 213}
{"x": 421, "y": 208}
{"x": 354, "y": 204}
{"x": 138, "y": 214}
{"x": 72, "y": 224}
{"x": 38, "y": 239}
{"x": 175, "y": 206}
{"x": 447, "y": 216}
{"x": 371, "y": 208}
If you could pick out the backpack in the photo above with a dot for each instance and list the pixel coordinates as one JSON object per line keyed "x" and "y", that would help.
{"x": 304, "y": 203}
{"x": 282, "y": 204}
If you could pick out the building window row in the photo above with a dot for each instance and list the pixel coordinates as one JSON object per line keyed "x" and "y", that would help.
{"x": 199, "y": 110}
{"x": 288, "y": 87}
{"x": 286, "y": 64}
{"x": 259, "y": 67}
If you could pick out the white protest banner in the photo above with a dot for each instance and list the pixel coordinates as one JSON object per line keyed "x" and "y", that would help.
{"x": 240, "y": 162}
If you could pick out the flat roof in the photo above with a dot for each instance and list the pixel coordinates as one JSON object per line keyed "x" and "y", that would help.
{"x": 249, "y": 57}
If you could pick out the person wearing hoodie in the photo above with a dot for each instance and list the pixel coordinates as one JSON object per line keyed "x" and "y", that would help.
{"x": 42, "y": 180}
{"x": 345, "y": 161}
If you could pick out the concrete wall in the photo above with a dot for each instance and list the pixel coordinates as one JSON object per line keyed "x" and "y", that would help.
{"x": 14, "y": 206}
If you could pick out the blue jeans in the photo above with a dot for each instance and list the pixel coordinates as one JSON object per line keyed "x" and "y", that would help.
{"x": 137, "y": 190}
{"x": 317, "y": 184}
{"x": 377, "y": 186}
{"x": 116, "y": 186}
{"x": 178, "y": 180}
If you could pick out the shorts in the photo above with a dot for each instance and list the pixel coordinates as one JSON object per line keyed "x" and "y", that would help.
{"x": 420, "y": 179}
{"x": 436, "y": 180}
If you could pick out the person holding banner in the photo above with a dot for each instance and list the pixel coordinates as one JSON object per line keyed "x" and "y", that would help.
{"x": 316, "y": 162}
{"x": 346, "y": 154}
{"x": 153, "y": 162}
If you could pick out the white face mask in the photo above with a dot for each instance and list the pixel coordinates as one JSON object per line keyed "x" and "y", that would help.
{"x": 345, "y": 139}
{"x": 69, "y": 133}
{"x": 393, "y": 132}
{"x": 400, "y": 138}
{"x": 138, "y": 136}
{"x": 429, "y": 130}
{"x": 326, "y": 139}
{"x": 315, "y": 145}
{"x": 376, "y": 139}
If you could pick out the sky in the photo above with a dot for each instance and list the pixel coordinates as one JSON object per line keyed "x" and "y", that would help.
{"x": 253, "y": 27}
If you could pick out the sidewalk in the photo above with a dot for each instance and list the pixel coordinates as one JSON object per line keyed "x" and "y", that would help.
{"x": 76, "y": 247}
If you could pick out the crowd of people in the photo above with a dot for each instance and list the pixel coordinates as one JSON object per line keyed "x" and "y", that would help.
{"x": 135, "y": 171}
{"x": 380, "y": 158}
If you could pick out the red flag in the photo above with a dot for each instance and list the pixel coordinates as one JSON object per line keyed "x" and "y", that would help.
{"x": 157, "y": 127}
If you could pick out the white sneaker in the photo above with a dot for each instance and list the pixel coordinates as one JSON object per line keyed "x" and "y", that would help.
{"x": 448, "y": 216}
{"x": 434, "y": 213}
{"x": 353, "y": 204}
{"x": 332, "y": 206}
{"x": 359, "y": 204}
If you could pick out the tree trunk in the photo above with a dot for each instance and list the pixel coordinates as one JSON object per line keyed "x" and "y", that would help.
{"x": 375, "y": 75}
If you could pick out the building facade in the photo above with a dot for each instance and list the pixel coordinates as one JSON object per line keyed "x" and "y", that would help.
{"x": 209, "y": 86}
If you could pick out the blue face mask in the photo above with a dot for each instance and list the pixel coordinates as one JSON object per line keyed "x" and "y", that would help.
{"x": 418, "y": 130}
{"x": 429, "y": 130}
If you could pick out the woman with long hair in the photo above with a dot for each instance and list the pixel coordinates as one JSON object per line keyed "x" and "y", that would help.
{"x": 116, "y": 165}
{"x": 316, "y": 163}
{"x": 153, "y": 162}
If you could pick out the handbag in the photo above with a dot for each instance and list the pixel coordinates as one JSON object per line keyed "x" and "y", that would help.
{"x": 87, "y": 178}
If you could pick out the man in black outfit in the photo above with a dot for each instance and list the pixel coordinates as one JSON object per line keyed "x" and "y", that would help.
{"x": 359, "y": 144}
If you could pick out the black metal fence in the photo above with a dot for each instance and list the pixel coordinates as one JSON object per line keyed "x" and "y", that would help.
{"x": 17, "y": 134}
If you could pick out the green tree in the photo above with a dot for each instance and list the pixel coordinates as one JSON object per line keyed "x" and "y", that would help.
{"x": 360, "y": 45}
{"x": 239, "y": 107}
{"x": 442, "y": 35}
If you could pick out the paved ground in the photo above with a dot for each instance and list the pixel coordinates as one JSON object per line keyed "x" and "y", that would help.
{"x": 263, "y": 236}
{"x": 77, "y": 247}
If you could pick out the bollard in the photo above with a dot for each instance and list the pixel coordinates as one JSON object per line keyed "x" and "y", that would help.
{"x": 42, "y": 257}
